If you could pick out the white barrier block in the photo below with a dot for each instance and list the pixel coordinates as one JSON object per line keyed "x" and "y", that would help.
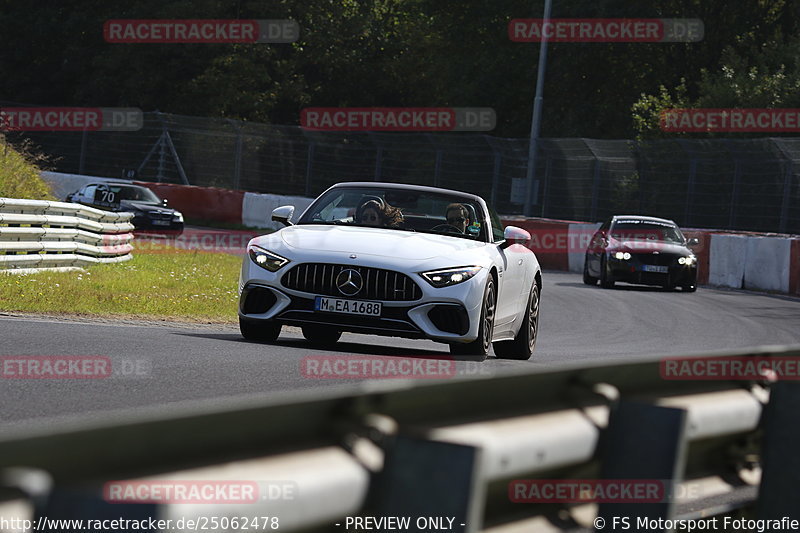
{"x": 257, "y": 208}
{"x": 578, "y": 238}
{"x": 767, "y": 264}
{"x": 727, "y": 260}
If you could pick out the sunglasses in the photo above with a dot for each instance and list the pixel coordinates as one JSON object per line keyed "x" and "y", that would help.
{"x": 459, "y": 220}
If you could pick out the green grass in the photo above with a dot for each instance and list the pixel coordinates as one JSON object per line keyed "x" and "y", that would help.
{"x": 19, "y": 174}
{"x": 167, "y": 284}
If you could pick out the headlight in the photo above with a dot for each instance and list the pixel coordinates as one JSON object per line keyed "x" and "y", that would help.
{"x": 177, "y": 216}
{"x": 450, "y": 276}
{"x": 622, "y": 256}
{"x": 266, "y": 259}
{"x": 688, "y": 261}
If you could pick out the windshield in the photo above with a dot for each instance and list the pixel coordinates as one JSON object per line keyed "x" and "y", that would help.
{"x": 397, "y": 209}
{"x": 136, "y": 194}
{"x": 636, "y": 230}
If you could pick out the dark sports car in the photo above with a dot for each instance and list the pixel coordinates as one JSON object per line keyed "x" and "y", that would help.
{"x": 150, "y": 212}
{"x": 643, "y": 250}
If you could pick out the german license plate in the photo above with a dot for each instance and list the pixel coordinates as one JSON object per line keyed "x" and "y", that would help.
{"x": 655, "y": 268}
{"x": 349, "y": 307}
{"x": 161, "y": 222}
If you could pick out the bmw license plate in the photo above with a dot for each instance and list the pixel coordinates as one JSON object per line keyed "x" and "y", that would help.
{"x": 161, "y": 222}
{"x": 655, "y": 268}
{"x": 350, "y": 307}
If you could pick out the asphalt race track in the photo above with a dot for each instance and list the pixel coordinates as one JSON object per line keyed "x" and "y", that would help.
{"x": 165, "y": 364}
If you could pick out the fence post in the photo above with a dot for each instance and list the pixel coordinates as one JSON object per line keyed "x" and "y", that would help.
{"x": 787, "y": 189}
{"x": 438, "y": 167}
{"x": 309, "y": 167}
{"x": 237, "y": 157}
{"x": 734, "y": 193}
{"x": 595, "y": 189}
{"x": 546, "y": 186}
{"x": 82, "y": 162}
{"x": 498, "y": 162}
{"x": 690, "y": 191}
{"x": 378, "y": 163}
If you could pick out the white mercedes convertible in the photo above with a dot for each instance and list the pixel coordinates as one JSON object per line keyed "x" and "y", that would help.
{"x": 395, "y": 260}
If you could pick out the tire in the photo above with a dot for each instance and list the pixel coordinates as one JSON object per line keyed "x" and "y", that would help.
{"x": 479, "y": 348}
{"x": 521, "y": 348}
{"x": 606, "y": 280}
{"x": 259, "y": 330}
{"x": 588, "y": 279}
{"x": 321, "y": 335}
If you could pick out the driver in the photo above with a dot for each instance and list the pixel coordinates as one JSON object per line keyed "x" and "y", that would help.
{"x": 458, "y": 217}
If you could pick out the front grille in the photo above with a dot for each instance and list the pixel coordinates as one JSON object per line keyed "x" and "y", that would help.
{"x": 378, "y": 284}
{"x": 657, "y": 259}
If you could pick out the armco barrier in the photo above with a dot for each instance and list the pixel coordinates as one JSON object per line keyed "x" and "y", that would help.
{"x": 36, "y": 234}
{"x": 435, "y": 449}
{"x": 549, "y": 240}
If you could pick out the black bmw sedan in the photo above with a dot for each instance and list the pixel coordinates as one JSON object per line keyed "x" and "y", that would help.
{"x": 150, "y": 212}
{"x": 642, "y": 250}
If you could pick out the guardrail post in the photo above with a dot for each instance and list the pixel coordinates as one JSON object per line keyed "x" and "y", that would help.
{"x": 779, "y": 493}
{"x": 546, "y": 184}
{"x": 451, "y": 487}
{"x": 645, "y": 442}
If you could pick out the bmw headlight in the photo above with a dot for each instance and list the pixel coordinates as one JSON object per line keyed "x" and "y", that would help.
{"x": 266, "y": 259}
{"x": 177, "y": 216}
{"x": 450, "y": 276}
{"x": 622, "y": 256}
{"x": 688, "y": 261}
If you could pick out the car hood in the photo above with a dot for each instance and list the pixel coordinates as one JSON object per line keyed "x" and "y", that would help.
{"x": 144, "y": 206}
{"x": 644, "y": 247}
{"x": 374, "y": 242}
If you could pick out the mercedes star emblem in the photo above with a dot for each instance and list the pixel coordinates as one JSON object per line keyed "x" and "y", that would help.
{"x": 349, "y": 282}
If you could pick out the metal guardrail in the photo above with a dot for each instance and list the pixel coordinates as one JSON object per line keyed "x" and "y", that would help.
{"x": 444, "y": 449}
{"x": 37, "y": 234}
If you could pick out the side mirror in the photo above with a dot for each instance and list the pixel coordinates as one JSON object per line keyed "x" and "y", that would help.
{"x": 515, "y": 235}
{"x": 694, "y": 241}
{"x": 283, "y": 214}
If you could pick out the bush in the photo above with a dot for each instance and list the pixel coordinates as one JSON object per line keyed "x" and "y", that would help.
{"x": 20, "y": 173}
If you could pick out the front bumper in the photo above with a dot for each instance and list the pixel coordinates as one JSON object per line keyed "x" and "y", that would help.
{"x": 638, "y": 270}
{"x": 450, "y": 314}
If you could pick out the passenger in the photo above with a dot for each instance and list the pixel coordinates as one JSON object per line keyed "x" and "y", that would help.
{"x": 374, "y": 211}
{"x": 458, "y": 217}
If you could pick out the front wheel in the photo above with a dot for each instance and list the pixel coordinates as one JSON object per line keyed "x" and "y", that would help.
{"x": 587, "y": 278}
{"x": 521, "y": 348}
{"x": 480, "y": 346}
{"x": 322, "y": 335}
{"x": 259, "y": 330}
{"x": 606, "y": 279}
